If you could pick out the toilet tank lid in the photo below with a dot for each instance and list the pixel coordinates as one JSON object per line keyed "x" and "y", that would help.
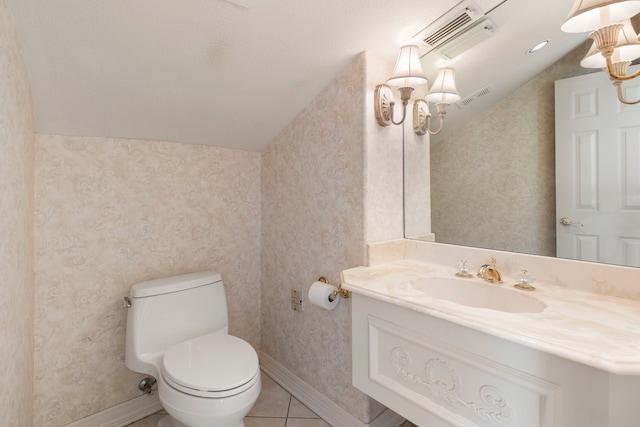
{"x": 174, "y": 284}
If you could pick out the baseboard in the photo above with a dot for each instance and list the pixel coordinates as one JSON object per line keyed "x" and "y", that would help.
{"x": 122, "y": 414}
{"x": 324, "y": 407}
{"x": 145, "y": 405}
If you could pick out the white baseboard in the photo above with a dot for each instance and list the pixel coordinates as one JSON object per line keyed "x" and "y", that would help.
{"x": 122, "y": 414}
{"x": 145, "y": 405}
{"x": 317, "y": 402}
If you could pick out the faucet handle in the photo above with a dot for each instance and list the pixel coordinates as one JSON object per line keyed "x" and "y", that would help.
{"x": 526, "y": 277}
{"x": 525, "y": 281}
{"x": 463, "y": 270}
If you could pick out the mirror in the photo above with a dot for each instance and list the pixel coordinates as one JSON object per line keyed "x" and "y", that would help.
{"x": 492, "y": 179}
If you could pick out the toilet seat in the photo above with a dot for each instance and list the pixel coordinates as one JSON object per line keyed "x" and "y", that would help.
{"x": 215, "y": 365}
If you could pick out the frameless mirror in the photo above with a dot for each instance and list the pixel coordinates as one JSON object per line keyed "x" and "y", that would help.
{"x": 491, "y": 174}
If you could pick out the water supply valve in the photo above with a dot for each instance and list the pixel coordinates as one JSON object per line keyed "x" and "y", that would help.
{"x": 146, "y": 385}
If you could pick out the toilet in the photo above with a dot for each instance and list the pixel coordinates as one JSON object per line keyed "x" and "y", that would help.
{"x": 177, "y": 332}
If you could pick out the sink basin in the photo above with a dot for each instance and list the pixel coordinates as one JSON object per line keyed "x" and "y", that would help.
{"x": 473, "y": 293}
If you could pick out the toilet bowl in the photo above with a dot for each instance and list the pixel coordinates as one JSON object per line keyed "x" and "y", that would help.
{"x": 213, "y": 376}
{"x": 177, "y": 332}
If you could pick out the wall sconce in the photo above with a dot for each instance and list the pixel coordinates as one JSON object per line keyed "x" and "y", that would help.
{"x": 442, "y": 93}
{"x": 406, "y": 75}
{"x": 613, "y": 37}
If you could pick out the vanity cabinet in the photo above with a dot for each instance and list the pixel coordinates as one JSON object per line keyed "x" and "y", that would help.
{"x": 437, "y": 373}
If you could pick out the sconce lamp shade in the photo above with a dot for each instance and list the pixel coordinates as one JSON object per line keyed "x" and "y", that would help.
{"x": 444, "y": 89}
{"x": 408, "y": 71}
{"x": 627, "y": 49}
{"x": 588, "y": 15}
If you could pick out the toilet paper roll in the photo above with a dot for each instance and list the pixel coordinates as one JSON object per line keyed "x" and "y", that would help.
{"x": 321, "y": 294}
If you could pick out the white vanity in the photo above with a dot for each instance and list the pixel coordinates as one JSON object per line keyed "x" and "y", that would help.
{"x": 426, "y": 345}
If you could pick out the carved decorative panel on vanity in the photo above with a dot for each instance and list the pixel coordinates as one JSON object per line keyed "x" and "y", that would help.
{"x": 456, "y": 385}
{"x": 437, "y": 373}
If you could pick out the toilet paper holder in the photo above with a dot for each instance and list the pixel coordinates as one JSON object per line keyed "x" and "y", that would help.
{"x": 341, "y": 292}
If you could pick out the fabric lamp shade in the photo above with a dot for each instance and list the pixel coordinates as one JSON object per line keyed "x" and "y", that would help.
{"x": 589, "y": 15}
{"x": 627, "y": 49}
{"x": 408, "y": 71}
{"x": 444, "y": 89}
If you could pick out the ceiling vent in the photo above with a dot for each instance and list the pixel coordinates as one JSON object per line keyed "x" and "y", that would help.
{"x": 449, "y": 25}
{"x": 469, "y": 99}
{"x": 469, "y": 38}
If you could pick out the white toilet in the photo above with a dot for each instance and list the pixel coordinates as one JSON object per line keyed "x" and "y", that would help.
{"x": 177, "y": 332}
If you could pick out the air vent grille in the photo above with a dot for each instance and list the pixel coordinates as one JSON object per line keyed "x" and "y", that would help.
{"x": 452, "y": 27}
{"x": 446, "y": 27}
{"x": 469, "y": 99}
{"x": 474, "y": 35}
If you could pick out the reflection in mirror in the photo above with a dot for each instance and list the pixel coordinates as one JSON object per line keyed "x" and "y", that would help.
{"x": 472, "y": 146}
{"x": 492, "y": 181}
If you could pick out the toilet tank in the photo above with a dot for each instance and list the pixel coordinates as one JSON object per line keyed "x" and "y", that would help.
{"x": 167, "y": 311}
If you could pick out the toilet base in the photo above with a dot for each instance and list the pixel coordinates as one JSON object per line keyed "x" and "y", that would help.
{"x": 167, "y": 421}
{"x": 195, "y": 411}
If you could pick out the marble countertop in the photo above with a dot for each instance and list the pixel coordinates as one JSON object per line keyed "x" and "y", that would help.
{"x": 595, "y": 330}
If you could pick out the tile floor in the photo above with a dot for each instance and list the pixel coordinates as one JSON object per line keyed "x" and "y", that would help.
{"x": 275, "y": 408}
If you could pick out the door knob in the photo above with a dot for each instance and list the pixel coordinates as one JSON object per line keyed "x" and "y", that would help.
{"x": 568, "y": 221}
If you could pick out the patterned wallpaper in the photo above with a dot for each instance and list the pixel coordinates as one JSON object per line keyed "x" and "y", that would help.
{"x": 417, "y": 183}
{"x": 16, "y": 235}
{"x": 317, "y": 212}
{"x": 110, "y": 213}
{"x": 493, "y": 181}
{"x": 383, "y": 187}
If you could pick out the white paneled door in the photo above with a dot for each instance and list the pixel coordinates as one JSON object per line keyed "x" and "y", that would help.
{"x": 597, "y": 171}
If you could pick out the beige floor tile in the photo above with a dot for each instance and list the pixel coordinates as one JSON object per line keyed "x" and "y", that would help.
{"x": 271, "y": 410}
{"x": 272, "y": 402}
{"x": 264, "y": 422}
{"x": 298, "y": 410}
{"x": 306, "y": 422}
{"x": 150, "y": 421}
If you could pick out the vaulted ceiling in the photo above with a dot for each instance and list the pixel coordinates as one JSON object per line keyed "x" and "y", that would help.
{"x": 228, "y": 73}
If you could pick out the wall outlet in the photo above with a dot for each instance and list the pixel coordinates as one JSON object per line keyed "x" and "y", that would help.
{"x": 296, "y": 299}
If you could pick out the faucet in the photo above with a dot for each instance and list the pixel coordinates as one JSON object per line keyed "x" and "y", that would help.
{"x": 490, "y": 273}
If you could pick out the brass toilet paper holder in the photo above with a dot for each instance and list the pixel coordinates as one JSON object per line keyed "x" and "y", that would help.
{"x": 342, "y": 292}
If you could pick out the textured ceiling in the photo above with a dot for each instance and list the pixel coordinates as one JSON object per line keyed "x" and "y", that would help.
{"x": 225, "y": 73}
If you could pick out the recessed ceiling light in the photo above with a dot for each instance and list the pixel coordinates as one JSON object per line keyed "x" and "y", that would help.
{"x": 538, "y": 46}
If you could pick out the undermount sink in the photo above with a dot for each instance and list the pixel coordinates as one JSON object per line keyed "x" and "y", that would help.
{"x": 473, "y": 293}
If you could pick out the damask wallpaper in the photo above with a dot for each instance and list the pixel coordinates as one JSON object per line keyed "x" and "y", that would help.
{"x": 503, "y": 162}
{"x": 16, "y": 230}
{"x": 110, "y": 213}
{"x": 92, "y": 216}
{"x": 320, "y": 205}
